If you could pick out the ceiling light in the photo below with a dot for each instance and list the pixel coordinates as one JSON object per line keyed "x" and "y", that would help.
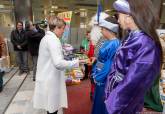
{"x": 51, "y": 11}
{"x": 107, "y": 10}
{"x": 2, "y": 6}
{"x": 54, "y": 7}
{"x": 163, "y": 3}
{"x": 82, "y": 9}
{"x": 75, "y": 11}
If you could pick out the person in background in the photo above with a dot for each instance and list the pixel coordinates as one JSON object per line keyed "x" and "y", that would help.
{"x": 39, "y": 29}
{"x": 34, "y": 36}
{"x": 19, "y": 41}
{"x": 138, "y": 60}
{"x": 90, "y": 52}
{"x": 2, "y": 53}
{"x": 90, "y": 55}
{"x": 50, "y": 88}
{"x": 152, "y": 100}
{"x": 84, "y": 48}
{"x": 104, "y": 61}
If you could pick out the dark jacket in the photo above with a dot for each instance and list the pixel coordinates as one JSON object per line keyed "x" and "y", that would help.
{"x": 34, "y": 39}
{"x": 2, "y": 47}
{"x": 19, "y": 38}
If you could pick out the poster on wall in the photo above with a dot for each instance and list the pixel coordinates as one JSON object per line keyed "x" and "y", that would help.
{"x": 66, "y": 16}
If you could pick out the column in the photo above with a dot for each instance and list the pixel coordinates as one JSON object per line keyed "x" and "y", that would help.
{"x": 23, "y": 10}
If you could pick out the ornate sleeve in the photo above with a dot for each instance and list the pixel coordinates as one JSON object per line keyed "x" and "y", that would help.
{"x": 142, "y": 71}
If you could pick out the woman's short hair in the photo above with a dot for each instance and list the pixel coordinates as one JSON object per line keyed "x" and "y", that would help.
{"x": 54, "y": 22}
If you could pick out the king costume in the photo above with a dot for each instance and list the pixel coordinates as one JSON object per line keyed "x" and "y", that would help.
{"x": 136, "y": 66}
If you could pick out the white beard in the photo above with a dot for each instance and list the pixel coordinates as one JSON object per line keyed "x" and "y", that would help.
{"x": 96, "y": 30}
{"x": 95, "y": 34}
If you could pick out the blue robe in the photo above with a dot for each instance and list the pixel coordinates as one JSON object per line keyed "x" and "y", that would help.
{"x": 100, "y": 72}
{"x": 135, "y": 67}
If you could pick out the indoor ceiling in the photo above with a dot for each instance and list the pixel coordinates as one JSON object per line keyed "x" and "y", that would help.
{"x": 64, "y": 5}
{"x": 5, "y": 6}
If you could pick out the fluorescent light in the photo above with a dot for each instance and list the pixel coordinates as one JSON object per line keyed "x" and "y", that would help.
{"x": 2, "y": 6}
{"x": 54, "y": 7}
{"x": 107, "y": 10}
{"x": 163, "y": 3}
{"x": 81, "y": 9}
{"x": 51, "y": 11}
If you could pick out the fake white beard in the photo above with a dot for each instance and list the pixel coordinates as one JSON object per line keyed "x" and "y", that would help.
{"x": 96, "y": 30}
{"x": 95, "y": 34}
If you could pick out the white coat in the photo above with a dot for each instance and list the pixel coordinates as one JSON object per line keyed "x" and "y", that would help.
{"x": 50, "y": 88}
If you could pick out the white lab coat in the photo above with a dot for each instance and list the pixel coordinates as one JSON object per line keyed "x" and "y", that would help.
{"x": 50, "y": 88}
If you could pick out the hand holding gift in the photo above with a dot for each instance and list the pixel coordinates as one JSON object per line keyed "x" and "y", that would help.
{"x": 91, "y": 60}
{"x": 83, "y": 61}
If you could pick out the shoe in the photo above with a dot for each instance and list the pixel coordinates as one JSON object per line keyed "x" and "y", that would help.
{"x": 1, "y": 88}
{"x": 2, "y": 73}
{"x": 34, "y": 78}
{"x": 20, "y": 72}
{"x": 27, "y": 72}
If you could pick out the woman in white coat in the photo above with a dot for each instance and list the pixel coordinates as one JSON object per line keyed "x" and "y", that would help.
{"x": 50, "y": 89}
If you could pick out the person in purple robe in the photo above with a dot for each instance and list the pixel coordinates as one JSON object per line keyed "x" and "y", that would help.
{"x": 138, "y": 60}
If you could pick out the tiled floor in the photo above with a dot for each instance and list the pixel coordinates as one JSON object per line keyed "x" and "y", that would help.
{"x": 78, "y": 97}
{"x": 21, "y": 102}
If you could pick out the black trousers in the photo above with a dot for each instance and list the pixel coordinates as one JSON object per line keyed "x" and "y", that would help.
{"x": 52, "y": 113}
{"x": 86, "y": 71}
{"x": 1, "y": 80}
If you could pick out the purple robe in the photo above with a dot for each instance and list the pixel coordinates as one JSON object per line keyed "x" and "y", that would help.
{"x": 136, "y": 65}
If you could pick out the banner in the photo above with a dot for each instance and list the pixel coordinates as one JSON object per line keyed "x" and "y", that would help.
{"x": 66, "y": 16}
{"x": 99, "y": 10}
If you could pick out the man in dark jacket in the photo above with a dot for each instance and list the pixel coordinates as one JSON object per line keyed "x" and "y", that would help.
{"x": 19, "y": 40}
{"x": 34, "y": 35}
{"x": 2, "y": 53}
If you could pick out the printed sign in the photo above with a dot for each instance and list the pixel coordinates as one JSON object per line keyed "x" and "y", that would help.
{"x": 66, "y": 16}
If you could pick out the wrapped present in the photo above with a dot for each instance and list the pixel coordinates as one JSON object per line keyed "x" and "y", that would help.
{"x": 69, "y": 80}
{"x": 73, "y": 76}
{"x": 77, "y": 73}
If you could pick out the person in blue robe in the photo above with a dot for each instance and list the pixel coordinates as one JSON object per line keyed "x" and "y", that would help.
{"x": 138, "y": 60}
{"x": 104, "y": 61}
